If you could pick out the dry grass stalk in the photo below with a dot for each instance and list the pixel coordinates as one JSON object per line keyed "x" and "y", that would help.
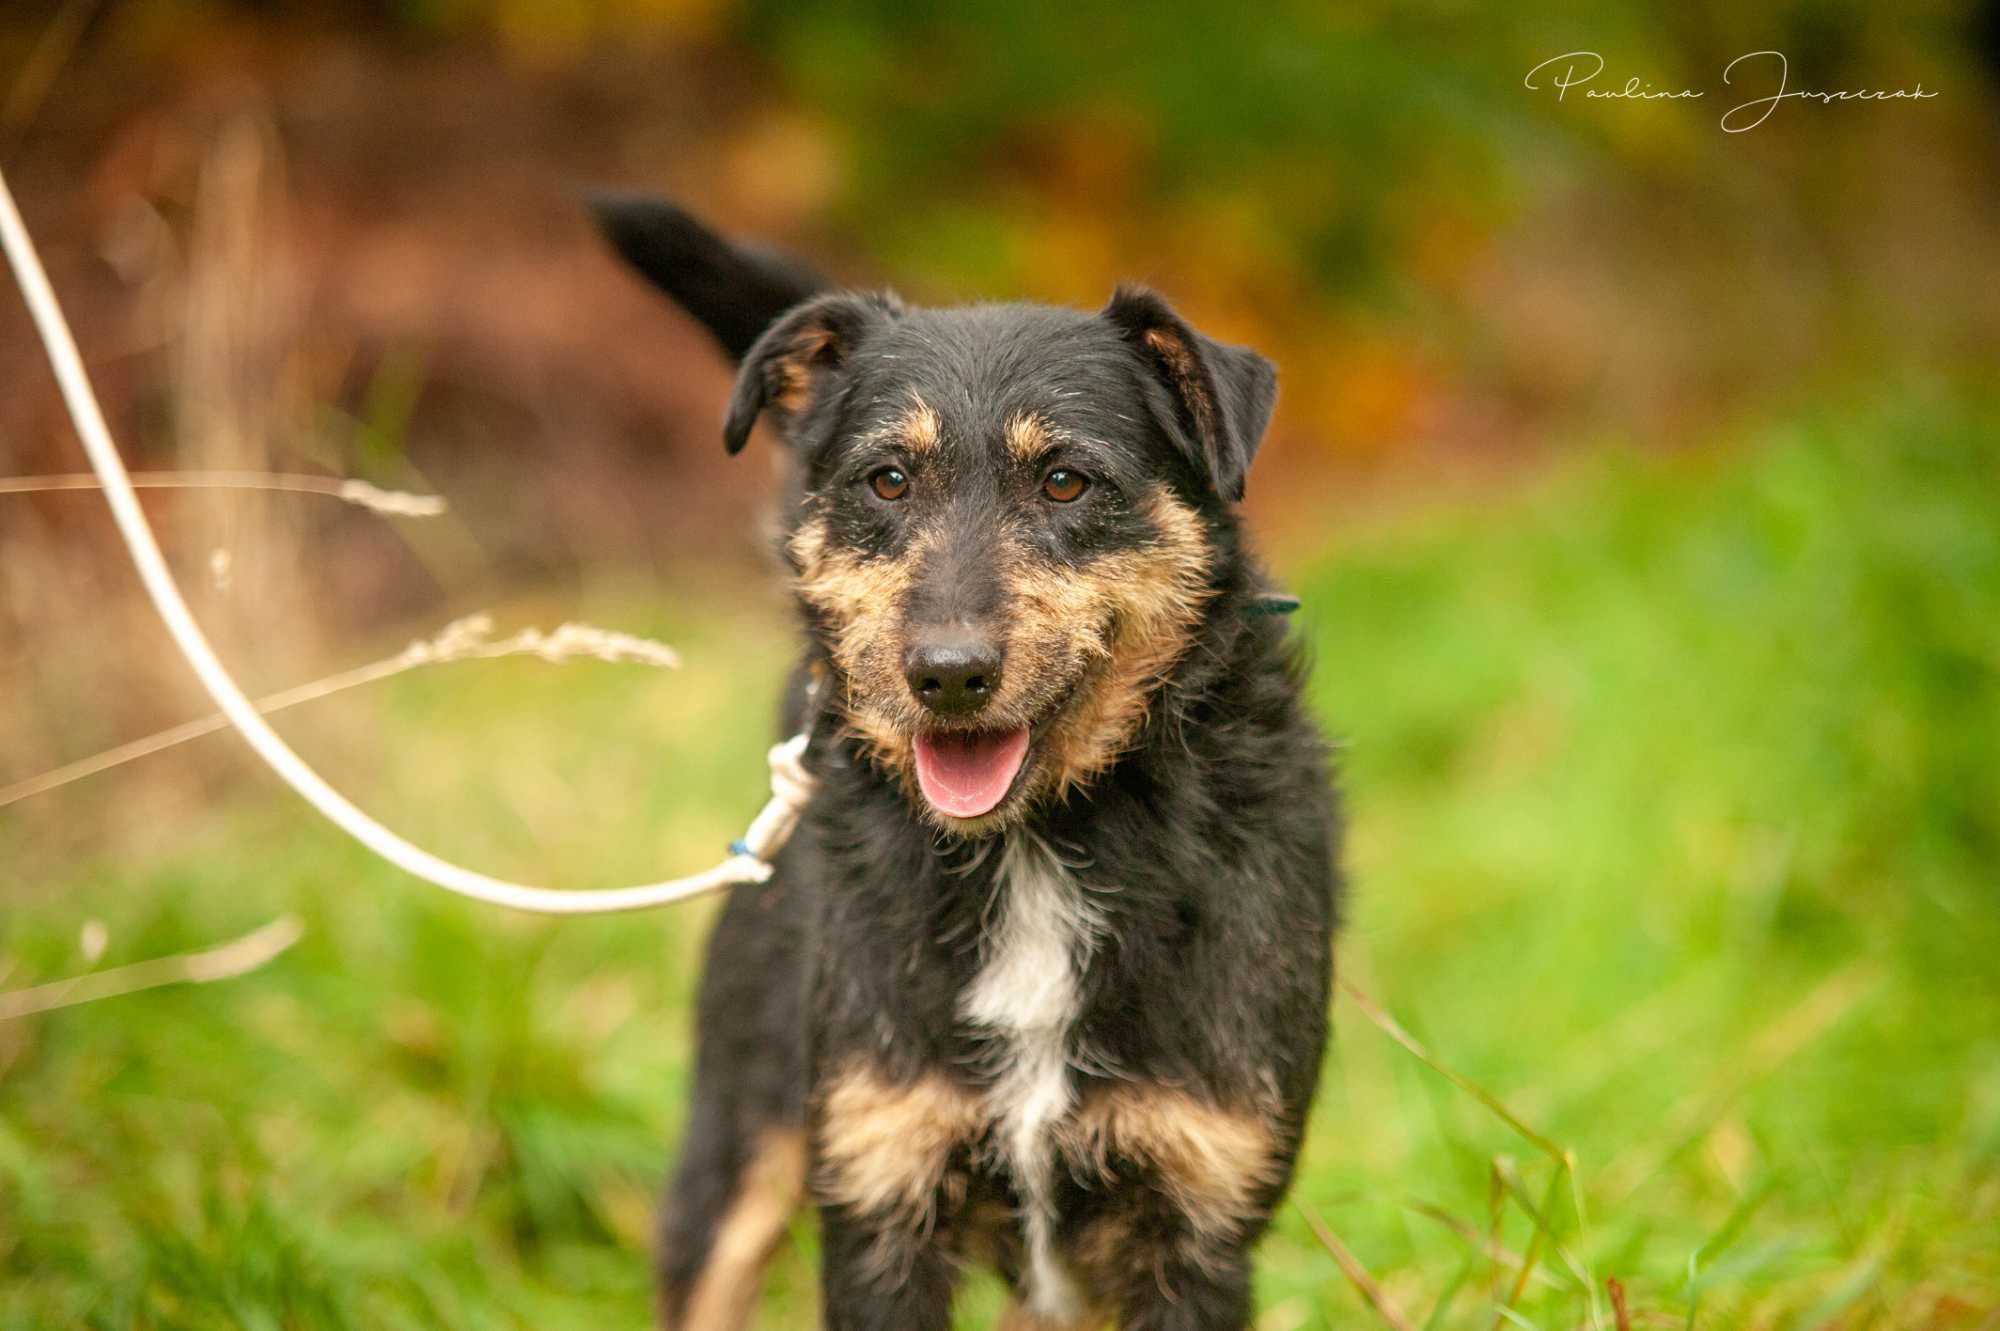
{"x": 1505, "y": 1185}
{"x": 238, "y": 957}
{"x": 51, "y": 52}
{"x": 389, "y": 503}
{"x": 1356, "y": 1273}
{"x": 1544, "y": 1234}
{"x": 790, "y": 783}
{"x": 462, "y": 640}
{"x": 1793, "y": 1031}
{"x": 1394, "y": 1030}
{"x": 1485, "y": 1245}
{"x": 1620, "y": 1315}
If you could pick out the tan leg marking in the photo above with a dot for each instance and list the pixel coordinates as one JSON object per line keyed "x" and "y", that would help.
{"x": 883, "y": 1146}
{"x": 1213, "y": 1163}
{"x": 769, "y": 1191}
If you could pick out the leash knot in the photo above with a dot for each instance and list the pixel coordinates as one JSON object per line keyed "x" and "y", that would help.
{"x": 792, "y": 788}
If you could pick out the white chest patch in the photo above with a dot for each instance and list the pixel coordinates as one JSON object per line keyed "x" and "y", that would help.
{"x": 1027, "y": 995}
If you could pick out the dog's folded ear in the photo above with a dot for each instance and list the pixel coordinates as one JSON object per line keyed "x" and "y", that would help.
{"x": 734, "y": 291}
{"x": 1217, "y": 397}
{"x": 793, "y": 359}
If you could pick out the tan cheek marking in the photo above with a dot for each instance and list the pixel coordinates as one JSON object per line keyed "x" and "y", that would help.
{"x": 1124, "y": 622}
{"x": 1212, "y": 1162}
{"x": 1027, "y": 437}
{"x": 861, "y": 600}
{"x": 883, "y": 1146}
{"x": 770, "y": 1190}
{"x": 1152, "y": 599}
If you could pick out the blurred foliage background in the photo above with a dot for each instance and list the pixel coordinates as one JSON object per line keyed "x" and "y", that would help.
{"x": 1641, "y": 481}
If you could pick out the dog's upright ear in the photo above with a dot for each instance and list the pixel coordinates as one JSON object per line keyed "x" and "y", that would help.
{"x": 734, "y": 291}
{"x": 1217, "y": 398}
{"x": 795, "y": 357}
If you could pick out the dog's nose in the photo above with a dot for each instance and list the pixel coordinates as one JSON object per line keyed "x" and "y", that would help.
{"x": 953, "y": 674}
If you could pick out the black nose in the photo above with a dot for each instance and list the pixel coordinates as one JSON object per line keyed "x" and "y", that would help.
{"x": 953, "y": 673}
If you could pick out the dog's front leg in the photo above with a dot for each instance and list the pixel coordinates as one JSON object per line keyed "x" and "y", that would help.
{"x": 891, "y": 1154}
{"x": 1183, "y": 1292}
{"x": 882, "y": 1277}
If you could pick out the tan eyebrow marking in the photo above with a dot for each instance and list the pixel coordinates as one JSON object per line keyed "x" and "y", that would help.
{"x": 918, "y": 427}
{"x": 1028, "y": 437}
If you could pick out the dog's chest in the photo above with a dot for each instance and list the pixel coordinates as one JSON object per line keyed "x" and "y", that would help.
{"x": 1025, "y": 1000}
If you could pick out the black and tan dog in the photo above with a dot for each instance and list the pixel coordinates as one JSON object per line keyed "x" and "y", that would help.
{"x": 1041, "y": 980}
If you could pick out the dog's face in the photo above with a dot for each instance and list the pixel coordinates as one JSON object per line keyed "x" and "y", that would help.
{"x": 1005, "y": 526}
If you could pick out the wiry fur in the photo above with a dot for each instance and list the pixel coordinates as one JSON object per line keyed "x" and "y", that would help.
{"x": 1076, "y": 1036}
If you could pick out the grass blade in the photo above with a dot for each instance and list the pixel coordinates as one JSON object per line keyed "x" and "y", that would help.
{"x": 1394, "y": 1030}
{"x": 1357, "y": 1274}
{"x": 1534, "y": 1253}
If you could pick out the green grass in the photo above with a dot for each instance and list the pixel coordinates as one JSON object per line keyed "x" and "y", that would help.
{"x": 1674, "y": 825}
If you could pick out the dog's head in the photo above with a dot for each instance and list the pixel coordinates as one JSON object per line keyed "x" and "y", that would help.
{"x": 1005, "y": 525}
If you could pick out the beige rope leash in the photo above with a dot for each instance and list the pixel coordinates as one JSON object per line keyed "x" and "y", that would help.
{"x": 749, "y": 861}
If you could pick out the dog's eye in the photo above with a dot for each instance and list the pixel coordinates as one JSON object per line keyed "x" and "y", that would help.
{"x": 889, "y": 483}
{"x": 1065, "y": 486}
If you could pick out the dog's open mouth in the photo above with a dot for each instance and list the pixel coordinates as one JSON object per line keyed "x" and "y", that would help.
{"x": 966, "y": 773}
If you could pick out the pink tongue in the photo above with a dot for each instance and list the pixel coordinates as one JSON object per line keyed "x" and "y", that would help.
{"x": 964, "y": 774}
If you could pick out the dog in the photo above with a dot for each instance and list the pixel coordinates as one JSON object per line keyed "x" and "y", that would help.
{"x": 1041, "y": 979}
